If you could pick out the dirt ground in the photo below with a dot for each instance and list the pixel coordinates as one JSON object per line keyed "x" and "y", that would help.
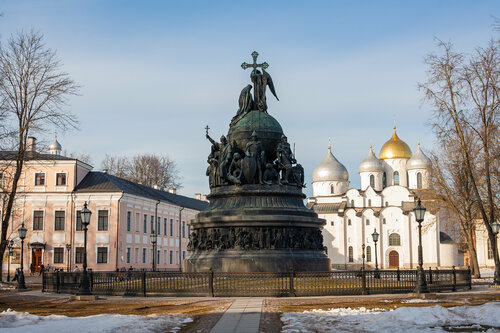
{"x": 207, "y": 311}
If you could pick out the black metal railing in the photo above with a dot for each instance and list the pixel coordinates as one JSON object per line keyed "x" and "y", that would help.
{"x": 147, "y": 283}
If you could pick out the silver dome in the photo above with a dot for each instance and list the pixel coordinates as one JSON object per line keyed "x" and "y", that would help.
{"x": 418, "y": 161}
{"x": 330, "y": 169}
{"x": 55, "y": 145}
{"x": 371, "y": 163}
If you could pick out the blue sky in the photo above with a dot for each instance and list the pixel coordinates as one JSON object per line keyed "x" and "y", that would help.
{"x": 155, "y": 73}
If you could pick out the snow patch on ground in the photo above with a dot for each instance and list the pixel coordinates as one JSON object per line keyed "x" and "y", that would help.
{"x": 487, "y": 272}
{"x": 6, "y": 286}
{"x": 418, "y": 300}
{"x": 411, "y": 319}
{"x": 13, "y": 321}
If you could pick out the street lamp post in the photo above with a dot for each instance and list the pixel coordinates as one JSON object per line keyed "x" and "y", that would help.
{"x": 363, "y": 255}
{"x": 84, "y": 279}
{"x": 10, "y": 245}
{"x": 421, "y": 286}
{"x": 20, "y": 279}
{"x": 68, "y": 249}
{"x": 153, "y": 238}
{"x": 375, "y": 240}
{"x": 495, "y": 226}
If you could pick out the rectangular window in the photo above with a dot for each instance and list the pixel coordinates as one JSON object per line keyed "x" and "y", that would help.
{"x": 129, "y": 221}
{"x": 331, "y": 223}
{"x": 58, "y": 255}
{"x": 145, "y": 229}
{"x": 102, "y": 255}
{"x": 367, "y": 222}
{"x": 102, "y": 220}
{"x": 79, "y": 225}
{"x": 349, "y": 222}
{"x": 171, "y": 227}
{"x": 158, "y": 257}
{"x": 383, "y": 221}
{"x": 183, "y": 255}
{"x": 39, "y": 179}
{"x": 128, "y": 255}
{"x": 60, "y": 179}
{"x": 171, "y": 258}
{"x": 152, "y": 223}
{"x": 144, "y": 254}
{"x": 79, "y": 254}
{"x": 165, "y": 226}
{"x": 1, "y": 179}
{"x": 59, "y": 220}
{"x": 38, "y": 220}
{"x": 165, "y": 256}
{"x": 158, "y": 225}
{"x": 490, "y": 250}
{"x": 137, "y": 223}
{"x": 183, "y": 229}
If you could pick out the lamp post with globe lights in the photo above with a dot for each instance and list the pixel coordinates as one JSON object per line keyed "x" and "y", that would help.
{"x": 421, "y": 286}
{"x": 154, "y": 237}
{"x": 10, "y": 245}
{"x": 84, "y": 279}
{"x": 495, "y": 227}
{"x": 375, "y": 240}
{"x": 20, "y": 279}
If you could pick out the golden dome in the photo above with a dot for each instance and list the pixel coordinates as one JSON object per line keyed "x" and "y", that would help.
{"x": 394, "y": 148}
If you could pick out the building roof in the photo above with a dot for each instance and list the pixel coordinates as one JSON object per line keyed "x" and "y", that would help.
{"x": 31, "y": 156}
{"x": 371, "y": 163}
{"x": 394, "y": 148}
{"x": 327, "y": 208}
{"x": 330, "y": 169}
{"x": 96, "y": 181}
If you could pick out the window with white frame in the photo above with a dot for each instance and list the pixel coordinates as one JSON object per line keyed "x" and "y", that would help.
{"x": 372, "y": 181}
{"x": 351, "y": 254}
{"x": 61, "y": 179}
{"x": 171, "y": 257}
{"x": 58, "y": 255}
{"x": 144, "y": 255}
{"x": 38, "y": 220}
{"x": 129, "y": 221}
{"x": 39, "y": 179}
{"x": 165, "y": 226}
{"x": 419, "y": 180}
{"x": 394, "y": 239}
{"x": 158, "y": 226}
{"x": 102, "y": 220}
{"x": 145, "y": 226}
{"x": 79, "y": 224}
{"x": 183, "y": 229}
{"x": 102, "y": 255}
{"x": 396, "y": 178}
{"x": 59, "y": 218}
{"x": 367, "y": 222}
{"x": 368, "y": 254}
{"x": 79, "y": 254}
{"x": 128, "y": 255}
{"x": 171, "y": 227}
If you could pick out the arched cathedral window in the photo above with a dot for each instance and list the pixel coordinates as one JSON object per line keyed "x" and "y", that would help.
{"x": 384, "y": 180}
{"x": 394, "y": 239}
{"x": 369, "y": 202}
{"x": 332, "y": 190}
{"x": 351, "y": 254}
{"x": 419, "y": 180}
{"x": 372, "y": 181}
{"x": 368, "y": 254}
{"x": 352, "y": 203}
{"x": 396, "y": 178}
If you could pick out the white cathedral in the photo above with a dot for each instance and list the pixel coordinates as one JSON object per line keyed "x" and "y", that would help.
{"x": 385, "y": 202}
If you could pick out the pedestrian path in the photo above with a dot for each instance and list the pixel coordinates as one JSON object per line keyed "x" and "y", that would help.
{"x": 243, "y": 316}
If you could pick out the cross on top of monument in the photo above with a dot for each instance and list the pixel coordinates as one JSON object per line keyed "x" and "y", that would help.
{"x": 255, "y": 65}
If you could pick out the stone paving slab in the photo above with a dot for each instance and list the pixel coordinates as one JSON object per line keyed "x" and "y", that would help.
{"x": 242, "y": 316}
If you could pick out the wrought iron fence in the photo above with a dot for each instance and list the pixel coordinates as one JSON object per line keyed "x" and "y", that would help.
{"x": 360, "y": 282}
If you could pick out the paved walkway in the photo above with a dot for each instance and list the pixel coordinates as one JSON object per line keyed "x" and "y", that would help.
{"x": 243, "y": 316}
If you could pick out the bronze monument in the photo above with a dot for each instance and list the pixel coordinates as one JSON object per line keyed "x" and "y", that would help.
{"x": 256, "y": 220}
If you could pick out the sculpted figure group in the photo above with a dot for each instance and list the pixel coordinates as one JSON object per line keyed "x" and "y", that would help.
{"x": 237, "y": 238}
{"x": 226, "y": 166}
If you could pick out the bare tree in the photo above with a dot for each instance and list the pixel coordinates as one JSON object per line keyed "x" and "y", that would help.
{"x": 147, "y": 169}
{"x": 33, "y": 95}
{"x": 464, "y": 94}
{"x": 84, "y": 157}
{"x": 452, "y": 184}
